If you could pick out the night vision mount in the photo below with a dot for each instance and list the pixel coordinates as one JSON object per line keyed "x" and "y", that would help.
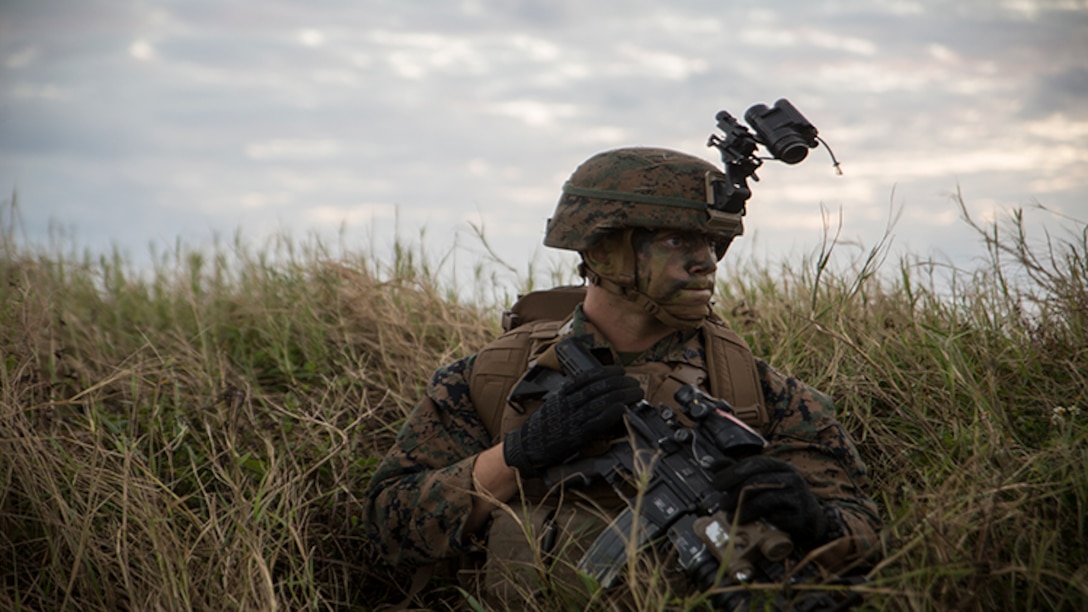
{"x": 782, "y": 129}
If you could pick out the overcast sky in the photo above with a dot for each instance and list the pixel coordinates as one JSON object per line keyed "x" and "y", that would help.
{"x": 135, "y": 122}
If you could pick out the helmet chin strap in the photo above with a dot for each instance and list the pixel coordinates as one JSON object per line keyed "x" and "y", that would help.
{"x": 624, "y": 283}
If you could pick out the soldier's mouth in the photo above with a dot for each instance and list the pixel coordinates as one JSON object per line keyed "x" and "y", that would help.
{"x": 693, "y": 293}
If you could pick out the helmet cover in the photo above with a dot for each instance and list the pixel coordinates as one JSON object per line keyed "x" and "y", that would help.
{"x": 639, "y": 187}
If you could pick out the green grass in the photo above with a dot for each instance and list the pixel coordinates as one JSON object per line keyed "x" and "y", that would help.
{"x": 198, "y": 436}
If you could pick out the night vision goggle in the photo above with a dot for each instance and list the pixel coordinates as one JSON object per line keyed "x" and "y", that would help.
{"x": 782, "y": 129}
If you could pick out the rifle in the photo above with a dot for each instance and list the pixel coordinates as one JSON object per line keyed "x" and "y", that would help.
{"x": 677, "y": 503}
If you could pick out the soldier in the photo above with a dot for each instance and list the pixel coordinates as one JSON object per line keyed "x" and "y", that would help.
{"x": 463, "y": 475}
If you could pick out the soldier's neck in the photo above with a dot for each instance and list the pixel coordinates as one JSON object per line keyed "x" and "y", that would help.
{"x": 626, "y": 326}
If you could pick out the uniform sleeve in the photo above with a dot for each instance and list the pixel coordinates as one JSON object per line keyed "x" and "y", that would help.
{"x": 805, "y": 433}
{"x": 421, "y": 494}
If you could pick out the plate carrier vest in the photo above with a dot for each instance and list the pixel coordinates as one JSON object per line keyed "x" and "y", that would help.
{"x": 535, "y": 323}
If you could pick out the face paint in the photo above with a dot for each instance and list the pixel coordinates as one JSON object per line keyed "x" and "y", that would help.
{"x": 676, "y": 270}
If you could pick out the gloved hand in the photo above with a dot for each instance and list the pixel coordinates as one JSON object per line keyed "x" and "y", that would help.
{"x": 774, "y": 491}
{"x": 583, "y": 408}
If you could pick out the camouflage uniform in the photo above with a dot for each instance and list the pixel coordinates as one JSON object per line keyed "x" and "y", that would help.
{"x": 421, "y": 493}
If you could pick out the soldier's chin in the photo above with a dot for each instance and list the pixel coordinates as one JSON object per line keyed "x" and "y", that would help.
{"x": 692, "y": 313}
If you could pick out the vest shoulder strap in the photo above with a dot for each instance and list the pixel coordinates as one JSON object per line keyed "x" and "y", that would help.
{"x": 732, "y": 373}
{"x": 545, "y": 305}
{"x": 500, "y": 364}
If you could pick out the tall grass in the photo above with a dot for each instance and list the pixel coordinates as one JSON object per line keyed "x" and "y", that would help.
{"x": 966, "y": 390}
{"x": 197, "y": 436}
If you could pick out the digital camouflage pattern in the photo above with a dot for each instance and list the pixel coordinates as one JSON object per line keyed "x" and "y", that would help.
{"x": 638, "y": 187}
{"x": 805, "y": 433}
{"x": 420, "y": 495}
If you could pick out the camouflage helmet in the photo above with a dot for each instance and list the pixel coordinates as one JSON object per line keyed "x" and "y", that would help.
{"x": 639, "y": 187}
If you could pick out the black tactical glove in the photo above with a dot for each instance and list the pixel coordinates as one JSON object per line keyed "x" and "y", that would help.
{"x": 583, "y": 408}
{"x": 775, "y": 492}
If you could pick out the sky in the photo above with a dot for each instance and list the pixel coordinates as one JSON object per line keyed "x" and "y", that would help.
{"x": 134, "y": 124}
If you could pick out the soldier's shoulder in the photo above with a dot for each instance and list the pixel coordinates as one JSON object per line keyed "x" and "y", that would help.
{"x": 455, "y": 370}
{"x": 450, "y": 383}
{"x": 785, "y": 392}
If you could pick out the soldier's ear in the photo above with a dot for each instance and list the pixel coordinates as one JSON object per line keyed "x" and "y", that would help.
{"x": 607, "y": 256}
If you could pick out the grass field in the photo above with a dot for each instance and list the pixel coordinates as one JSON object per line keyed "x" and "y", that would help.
{"x": 198, "y": 436}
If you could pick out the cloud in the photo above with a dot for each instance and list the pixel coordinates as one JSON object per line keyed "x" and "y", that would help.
{"x": 142, "y": 50}
{"x": 1033, "y": 9}
{"x": 47, "y": 91}
{"x": 669, "y": 66}
{"x": 1064, "y": 90}
{"x": 1059, "y": 128}
{"x": 311, "y": 37}
{"x": 414, "y": 55}
{"x": 534, "y": 112}
{"x": 779, "y": 35}
{"x": 21, "y": 58}
{"x": 292, "y": 150}
{"x": 354, "y": 214}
